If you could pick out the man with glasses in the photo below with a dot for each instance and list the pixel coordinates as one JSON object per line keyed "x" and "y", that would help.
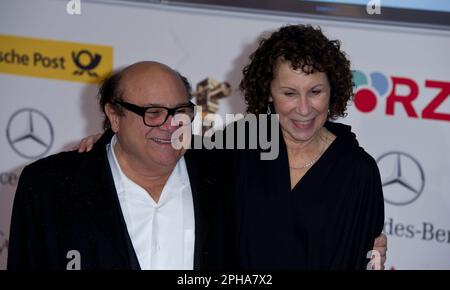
{"x": 134, "y": 201}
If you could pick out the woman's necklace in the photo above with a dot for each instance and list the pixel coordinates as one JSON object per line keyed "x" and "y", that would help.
{"x": 311, "y": 163}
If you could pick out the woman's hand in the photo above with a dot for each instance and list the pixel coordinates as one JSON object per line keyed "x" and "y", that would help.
{"x": 380, "y": 245}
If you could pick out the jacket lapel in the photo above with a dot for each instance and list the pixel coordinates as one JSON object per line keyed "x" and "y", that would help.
{"x": 201, "y": 187}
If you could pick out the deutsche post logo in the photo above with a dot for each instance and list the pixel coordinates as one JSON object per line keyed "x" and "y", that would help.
{"x": 61, "y": 60}
{"x": 92, "y": 63}
{"x": 30, "y": 133}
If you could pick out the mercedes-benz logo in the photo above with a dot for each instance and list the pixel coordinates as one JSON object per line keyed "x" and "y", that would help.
{"x": 402, "y": 177}
{"x": 29, "y": 133}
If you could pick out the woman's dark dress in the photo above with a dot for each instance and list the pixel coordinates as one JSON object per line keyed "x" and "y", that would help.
{"x": 328, "y": 221}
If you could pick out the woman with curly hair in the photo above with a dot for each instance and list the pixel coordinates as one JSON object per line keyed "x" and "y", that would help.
{"x": 319, "y": 205}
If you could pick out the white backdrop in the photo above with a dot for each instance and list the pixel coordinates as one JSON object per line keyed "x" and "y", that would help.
{"x": 204, "y": 43}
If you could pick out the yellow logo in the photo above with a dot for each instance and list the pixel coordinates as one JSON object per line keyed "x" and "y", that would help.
{"x": 61, "y": 60}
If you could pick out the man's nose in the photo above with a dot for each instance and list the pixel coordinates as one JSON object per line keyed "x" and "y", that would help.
{"x": 167, "y": 125}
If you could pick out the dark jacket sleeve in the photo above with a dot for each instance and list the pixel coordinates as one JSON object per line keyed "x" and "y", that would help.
{"x": 371, "y": 220}
{"x": 23, "y": 235}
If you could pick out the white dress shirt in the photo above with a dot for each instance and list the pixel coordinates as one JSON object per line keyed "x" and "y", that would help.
{"x": 162, "y": 233}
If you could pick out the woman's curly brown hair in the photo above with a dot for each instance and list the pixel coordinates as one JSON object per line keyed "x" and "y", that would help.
{"x": 305, "y": 47}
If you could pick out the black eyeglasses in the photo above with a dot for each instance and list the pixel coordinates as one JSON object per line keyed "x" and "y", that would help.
{"x": 155, "y": 116}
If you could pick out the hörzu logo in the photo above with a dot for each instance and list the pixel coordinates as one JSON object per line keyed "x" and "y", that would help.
{"x": 376, "y": 89}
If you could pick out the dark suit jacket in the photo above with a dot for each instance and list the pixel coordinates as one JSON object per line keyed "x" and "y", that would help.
{"x": 68, "y": 201}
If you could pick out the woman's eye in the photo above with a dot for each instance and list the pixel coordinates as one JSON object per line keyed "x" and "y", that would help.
{"x": 316, "y": 92}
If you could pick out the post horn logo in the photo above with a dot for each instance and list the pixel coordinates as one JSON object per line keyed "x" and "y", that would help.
{"x": 80, "y": 61}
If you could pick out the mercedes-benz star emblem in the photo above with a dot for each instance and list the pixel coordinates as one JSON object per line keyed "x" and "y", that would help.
{"x": 30, "y": 133}
{"x": 402, "y": 177}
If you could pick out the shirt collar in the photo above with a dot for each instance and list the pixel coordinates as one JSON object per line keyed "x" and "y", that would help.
{"x": 177, "y": 182}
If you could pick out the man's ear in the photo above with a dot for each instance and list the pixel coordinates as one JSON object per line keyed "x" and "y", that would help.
{"x": 113, "y": 116}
